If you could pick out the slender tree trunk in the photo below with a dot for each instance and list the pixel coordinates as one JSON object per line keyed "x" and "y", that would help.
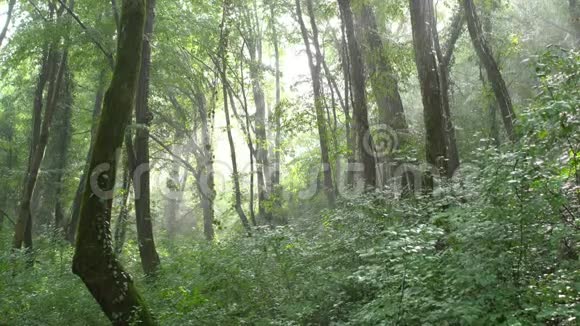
{"x": 494, "y": 75}
{"x": 76, "y": 206}
{"x": 4, "y": 30}
{"x": 250, "y": 145}
{"x": 141, "y": 173}
{"x": 342, "y": 49}
{"x": 315, "y": 65}
{"x": 360, "y": 111}
{"x": 57, "y": 149}
{"x": 262, "y": 163}
{"x": 224, "y": 64}
{"x": 278, "y": 109}
{"x": 23, "y": 226}
{"x": 382, "y": 75}
{"x": 444, "y": 63}
{"x": 422, "y": 18}
{"x": 94, "y": 260}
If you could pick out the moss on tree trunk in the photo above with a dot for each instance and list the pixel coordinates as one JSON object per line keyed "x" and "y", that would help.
{"x": 94, "y": 260}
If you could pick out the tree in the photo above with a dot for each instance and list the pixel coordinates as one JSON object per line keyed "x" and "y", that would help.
{"x": 382, "y": 76}
{"x": 141, "y": 170}
{"x": 315, "y": 65}
{"x": 224, "y": 79}
{"x": 94, "y": 260}
{"x": 23, "y": 225}
{"x": 433, "y": 86}
{"x": 364, "y": 139}
{"x": 494, "y": 75}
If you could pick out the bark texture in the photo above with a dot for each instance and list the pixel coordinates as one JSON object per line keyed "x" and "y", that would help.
{"x": 382, "y": 76}
{"x": 432, "y": 90}
{"x": 364, "y": 139}
{"x": 94, "y": 260}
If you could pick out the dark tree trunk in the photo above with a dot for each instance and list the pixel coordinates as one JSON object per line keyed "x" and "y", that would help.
{"x": 494, "y": 75}
{"x": 23, "y": 228}
{"x": 444, "y": 61}
{"x": 141, "y": 171}
{"x": 433, "y": 93}
{"x": 315, "y": 64}
{"x": 57, "y": 154}
{"x": 94, "y": 260}
{"x": 76, "y": 206}
{"x": 4, "y": 30}
{"x": 364, "y": 139}
{"x": 382, "y": 75}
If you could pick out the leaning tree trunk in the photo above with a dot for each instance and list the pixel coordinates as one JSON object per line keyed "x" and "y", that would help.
{"x": 364, "y": 138}
{"x": 494, "y": 75}
{"x": 422, "y": 18}
{"x": 315, "y": 65}
{"x": 141, "y": 173}
{"x": 24, "y": 217}
{"x": 4, "y": 30}
{"x": 94, "y": 260}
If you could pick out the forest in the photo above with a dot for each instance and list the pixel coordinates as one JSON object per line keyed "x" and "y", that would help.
{"x": 289, "y": 162}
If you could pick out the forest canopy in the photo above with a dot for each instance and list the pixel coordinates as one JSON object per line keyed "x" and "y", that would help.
{"x": 305, "y": 162}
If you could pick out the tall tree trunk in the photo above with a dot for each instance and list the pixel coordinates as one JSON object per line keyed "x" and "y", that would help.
{"x": 224, "y": 79}
{"x": 250, "y": 144}
{"x": 57, "y": 153}
{"x": 342, "y": 48}
{"x": 277, "y": 107}
{"x": 23, "y": 228}
{"x": 76, "y": 206}
{"x": 4, "y": 30}
{"x": 433, "y": 93}
{"x": 262, "y": 163}
{"x": 364, "y": 138}
{"x": 94, "y": 260}
{"x": 382, "y": 75}
{"x": 444, "y": 62}
{"x": 141, "y": 173}
{"x": 494, "y": 75}
{"x": 315, "y": 65}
